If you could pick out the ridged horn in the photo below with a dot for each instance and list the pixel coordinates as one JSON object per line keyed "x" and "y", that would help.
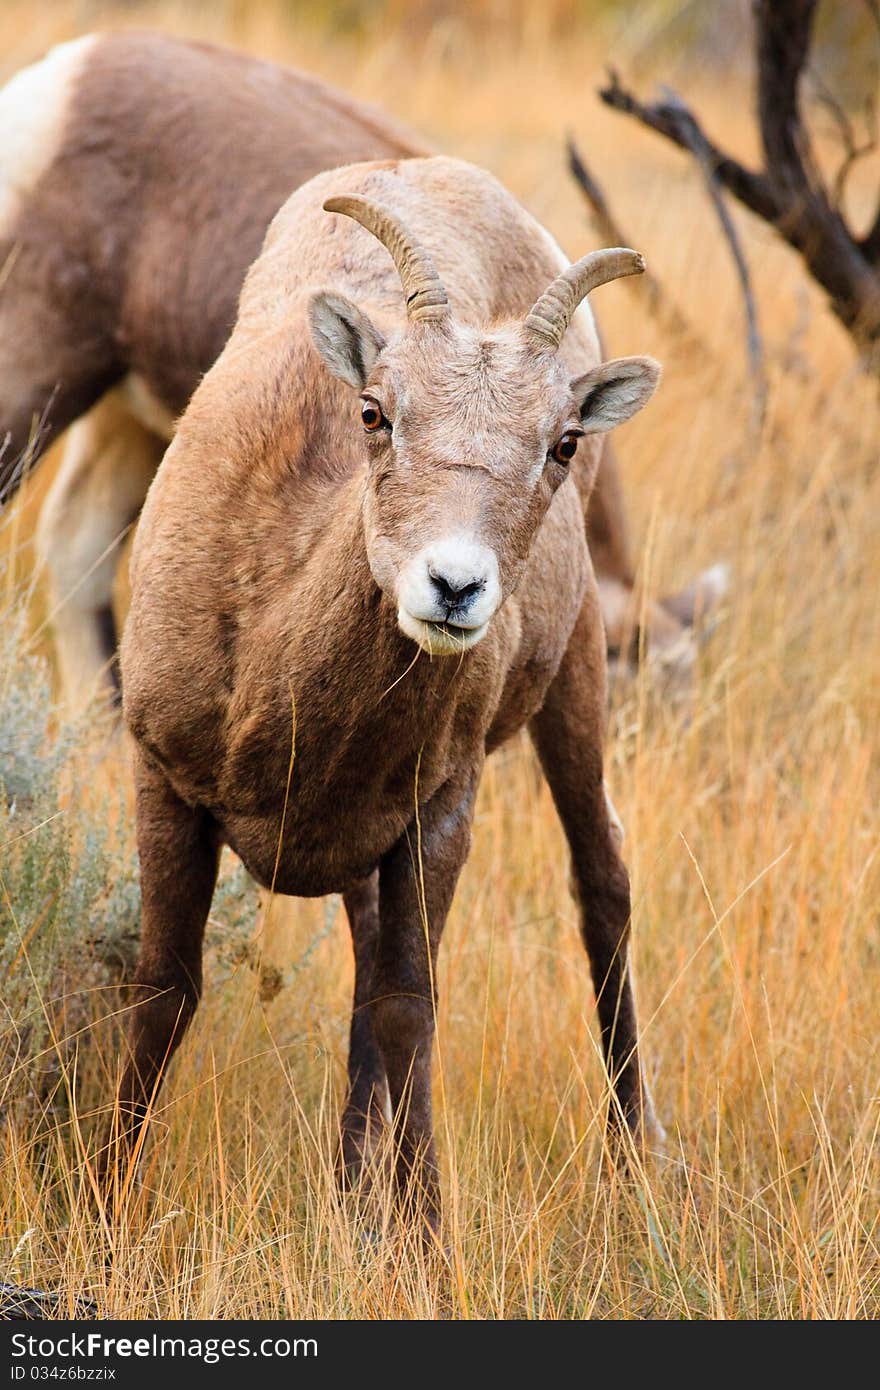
{"x": 422, "y": 286}
{"x": 552, "y": 313}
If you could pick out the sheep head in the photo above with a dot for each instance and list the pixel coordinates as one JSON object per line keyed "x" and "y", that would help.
{"x": 468, "y": 431}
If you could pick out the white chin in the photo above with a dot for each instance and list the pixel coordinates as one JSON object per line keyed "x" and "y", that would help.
{"x": 439, "y": 639}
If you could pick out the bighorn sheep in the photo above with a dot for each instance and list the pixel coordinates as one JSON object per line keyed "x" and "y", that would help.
{"x": 377, "y": 481}
{"x": 138, "y": 175}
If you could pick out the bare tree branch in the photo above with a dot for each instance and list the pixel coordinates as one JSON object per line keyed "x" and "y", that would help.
{"x": 789, "y": 192}
{"x": 606, "y": 223}
{"x": 679, "y": 125}
{"x": 699, "y": 148}
{"x": 783, "y": 32}
{"x": 854, "y": 154}
{"x": 853, "y": 151}
{"x": 659, "y": 302}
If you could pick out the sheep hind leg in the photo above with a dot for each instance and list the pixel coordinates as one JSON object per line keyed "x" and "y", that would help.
{"x": 108, "y": 464}
{"x": 178, "y": 847}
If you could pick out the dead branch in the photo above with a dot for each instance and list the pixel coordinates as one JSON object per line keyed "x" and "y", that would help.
{"x": 606, "y": 223}
{"x": 607, "y": 226}
{"x": 678, "y": 124}
{"x": 853, "y": 150}
{"x": 755, "y": 347}
{"x": 788, "y": 192}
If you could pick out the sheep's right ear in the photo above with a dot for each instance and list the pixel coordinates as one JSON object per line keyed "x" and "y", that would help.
{"x": 614, "y": 391}
{"x": 346, "y": 339}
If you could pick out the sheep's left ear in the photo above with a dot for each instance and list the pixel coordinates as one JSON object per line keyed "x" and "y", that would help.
{"x": 614, "y": 391}
{"x": 347, "y": 340}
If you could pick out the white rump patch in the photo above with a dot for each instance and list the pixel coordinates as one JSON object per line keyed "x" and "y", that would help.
{"x": 33, "y": 110}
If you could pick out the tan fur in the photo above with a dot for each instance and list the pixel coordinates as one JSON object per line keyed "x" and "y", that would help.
{"x": 276, "y": 701}
{"x": 138, "y": 174}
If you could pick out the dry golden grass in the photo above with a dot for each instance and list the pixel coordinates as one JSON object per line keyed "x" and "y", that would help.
{"x": 752, "y": 836}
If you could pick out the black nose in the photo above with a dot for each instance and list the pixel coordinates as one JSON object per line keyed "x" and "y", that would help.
{"x": 456, "y": 595}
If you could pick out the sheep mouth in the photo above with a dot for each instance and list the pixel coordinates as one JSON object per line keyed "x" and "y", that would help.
{"x": 440, "y": 638}
{"x": 452, "y": 637}
{"x": 459, "y": 630}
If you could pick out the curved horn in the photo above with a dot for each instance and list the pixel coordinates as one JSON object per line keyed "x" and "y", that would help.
{"x": 422, "y": 286}
{"x": 553, "y": 312}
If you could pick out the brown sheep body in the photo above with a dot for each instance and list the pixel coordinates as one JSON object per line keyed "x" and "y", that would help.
{"x": 337, "y": 612}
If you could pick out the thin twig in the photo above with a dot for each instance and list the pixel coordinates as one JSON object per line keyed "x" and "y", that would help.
{"x": 852, "y": 150}
{"x": 608, "y": 227}
{"x": 606, "y": 223}
{"x": 699, "y": 147}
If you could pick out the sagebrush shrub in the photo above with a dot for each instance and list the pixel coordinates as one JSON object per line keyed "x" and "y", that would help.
{"x": 69, "y": 901}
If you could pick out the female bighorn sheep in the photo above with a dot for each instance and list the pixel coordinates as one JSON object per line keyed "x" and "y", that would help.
{"x": 376, "y": 481}
{"x": 138, "y": 175}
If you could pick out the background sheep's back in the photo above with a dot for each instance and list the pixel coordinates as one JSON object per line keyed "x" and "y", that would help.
{"x": 752, "y": 826}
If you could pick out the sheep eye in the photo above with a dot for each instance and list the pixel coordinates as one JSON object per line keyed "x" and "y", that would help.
{"x": 565, "y": 448}
{"x": 371, "y": 415}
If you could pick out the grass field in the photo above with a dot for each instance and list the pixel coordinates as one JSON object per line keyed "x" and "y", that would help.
{"x": 751, "y": 819}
